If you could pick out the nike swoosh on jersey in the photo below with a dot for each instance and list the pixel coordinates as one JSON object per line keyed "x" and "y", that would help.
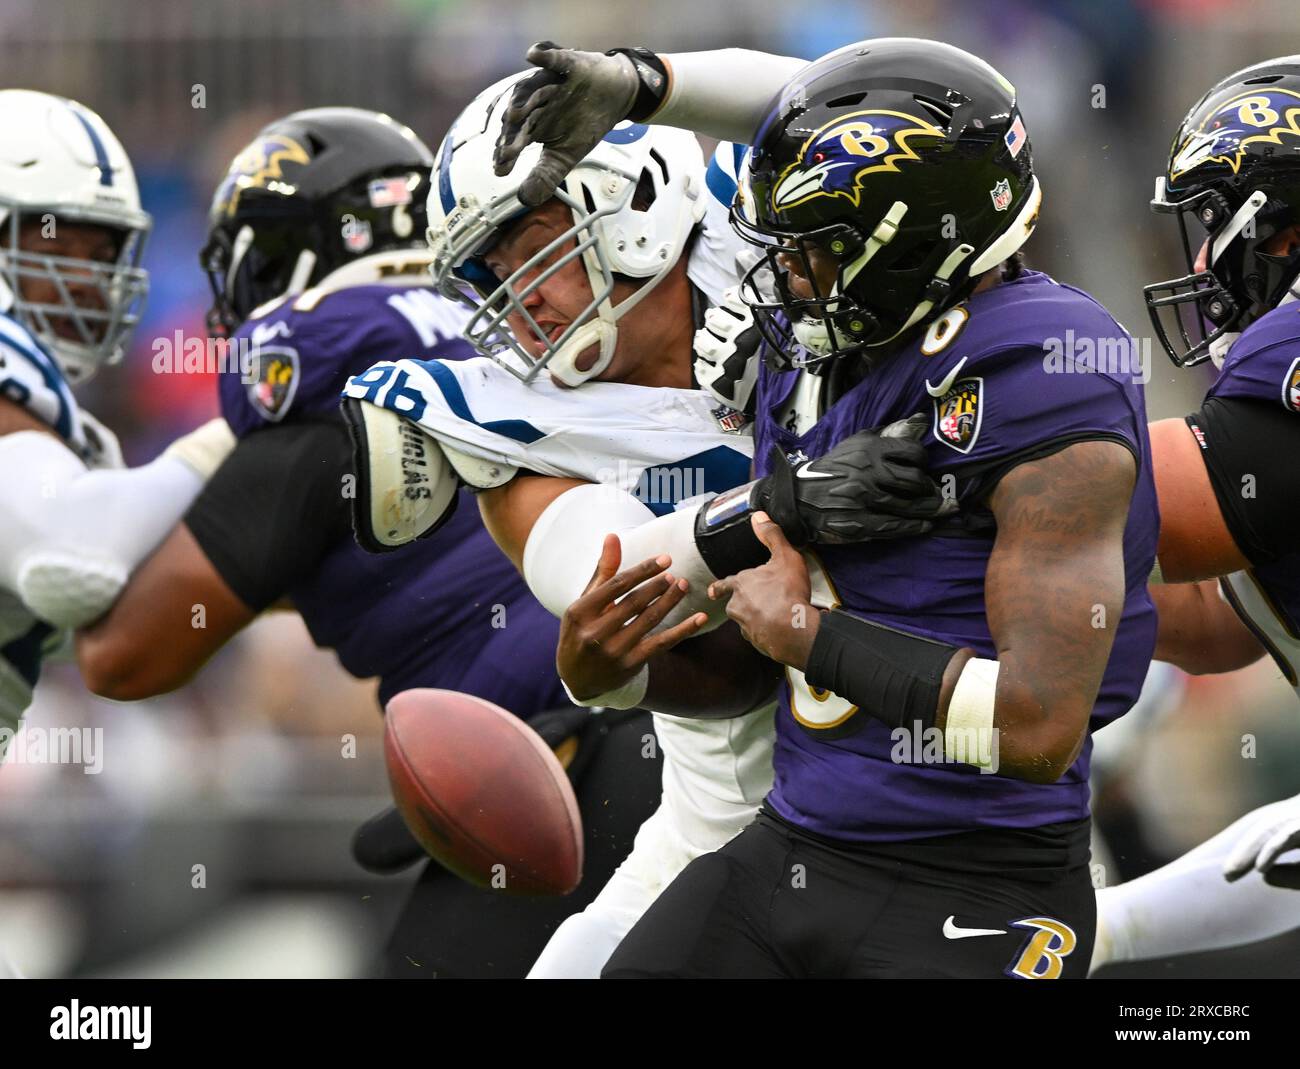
{"x": 948, "y": 380}
{"x": 951, "y": 931}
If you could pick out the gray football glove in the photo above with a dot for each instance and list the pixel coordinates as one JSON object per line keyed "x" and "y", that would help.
{"x": 568, "y": 105}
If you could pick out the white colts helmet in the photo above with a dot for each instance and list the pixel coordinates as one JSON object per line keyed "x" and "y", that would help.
{"x": 469, "y": 206}
{"x": 60, "y": 163}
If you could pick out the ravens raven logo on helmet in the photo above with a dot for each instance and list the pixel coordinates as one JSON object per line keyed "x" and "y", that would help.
{"x": 1241, "y": 121}
{"x": 259, "y": 165}
{"x": 836, "y": 158}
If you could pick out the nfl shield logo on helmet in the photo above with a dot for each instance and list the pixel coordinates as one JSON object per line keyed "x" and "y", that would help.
{"x": 357, "y": 235}
{"x": 1291, "y": 387}
{"x": 1001, "y": 194}
{"x": 957, "y": 414}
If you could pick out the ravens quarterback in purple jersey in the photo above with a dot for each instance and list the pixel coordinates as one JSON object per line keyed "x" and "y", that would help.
{"x": 319, "y": 268}
{"x": 930, "y": 809}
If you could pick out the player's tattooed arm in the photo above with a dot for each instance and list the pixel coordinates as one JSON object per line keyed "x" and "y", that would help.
{"x": 1199, "y": 631}
{"x": 173, "y": 615}
{"x": 1054, "y": 591}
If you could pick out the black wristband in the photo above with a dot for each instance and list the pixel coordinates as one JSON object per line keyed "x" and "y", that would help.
{"x": 724, "y": 532}
{"x": 890, "y": 675}
{"x": 652, "y": 79}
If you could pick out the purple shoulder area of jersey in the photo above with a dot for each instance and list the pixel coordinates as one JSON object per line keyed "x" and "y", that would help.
{"x": 295, "y": 361}
{"x": 1264, "y": 363}
{"x": 1025, "y": 368}
{"x": 450, "y": 611}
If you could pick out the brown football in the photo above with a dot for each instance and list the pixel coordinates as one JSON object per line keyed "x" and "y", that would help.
{"x": 483, "y": 793}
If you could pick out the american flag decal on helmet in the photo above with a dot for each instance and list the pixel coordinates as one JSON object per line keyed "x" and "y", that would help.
{"x": 1016, "y": 137}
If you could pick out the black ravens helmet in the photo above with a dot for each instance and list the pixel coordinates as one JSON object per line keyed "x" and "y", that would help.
{"x": 1234, "y": 167}
{"x": 312, "y": 192}
{"x": 907, "y": 163}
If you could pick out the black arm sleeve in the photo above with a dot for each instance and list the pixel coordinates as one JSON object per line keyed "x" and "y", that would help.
{"x": 1250, "y": 448}
{"x": 892, "y": 675}
{"x": 275, "y": 507}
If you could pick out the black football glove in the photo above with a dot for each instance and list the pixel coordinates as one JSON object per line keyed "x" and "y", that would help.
{"x": 873, "y": 485}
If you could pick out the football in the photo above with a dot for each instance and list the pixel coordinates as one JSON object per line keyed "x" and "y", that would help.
{"x": 482, "y": 792}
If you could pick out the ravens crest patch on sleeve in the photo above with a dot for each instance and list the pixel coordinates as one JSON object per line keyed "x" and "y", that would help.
{"x": 957, "y": 414}
{"x": 273, "y": 380}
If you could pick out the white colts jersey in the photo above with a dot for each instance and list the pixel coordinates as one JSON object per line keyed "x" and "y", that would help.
{"x": 30, "y": 378}
{"x": 1242, "y": 591}
{"x": 663, "y": 446}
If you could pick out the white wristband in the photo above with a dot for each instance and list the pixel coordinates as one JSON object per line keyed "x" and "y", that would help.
{"x": 204, "y": 449}
{"x": 968, "y": 734}
{"x": 628, "y": 696}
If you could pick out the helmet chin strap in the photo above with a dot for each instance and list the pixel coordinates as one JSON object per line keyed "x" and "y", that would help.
{"x": 1236, "y": 225}
{"x": 238, "y": 250}
{"x": 301, "y": 272}
{"x": 1219, "y": 347}
{"x": 600, "y": 331}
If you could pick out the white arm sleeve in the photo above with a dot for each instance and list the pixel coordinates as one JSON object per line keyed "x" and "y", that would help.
{"x": 563, "y": 548}
{"x": 723, "y": 93}
{"x": 69, "y": 537}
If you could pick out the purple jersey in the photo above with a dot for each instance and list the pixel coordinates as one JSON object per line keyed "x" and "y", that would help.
{"x": 449, "y": 611}
{"x": 1264, "y": 365}
{"x": 1003, "y": 378}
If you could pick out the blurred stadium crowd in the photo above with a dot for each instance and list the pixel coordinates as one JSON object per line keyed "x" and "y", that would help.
{"x": 213, "y": 841}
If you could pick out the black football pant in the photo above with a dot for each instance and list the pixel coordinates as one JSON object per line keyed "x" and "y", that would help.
{"x": 778, "y": 902}
{"x": 450, "y": 928}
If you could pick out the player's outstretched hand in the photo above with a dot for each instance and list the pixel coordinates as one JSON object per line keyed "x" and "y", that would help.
{"x": 605, "y": 635}
{"x": 873, "y": 485}
{"x": 1265, "y": 841}
{"x": 572, "y": 101}
{"x": 773, "y": 603}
